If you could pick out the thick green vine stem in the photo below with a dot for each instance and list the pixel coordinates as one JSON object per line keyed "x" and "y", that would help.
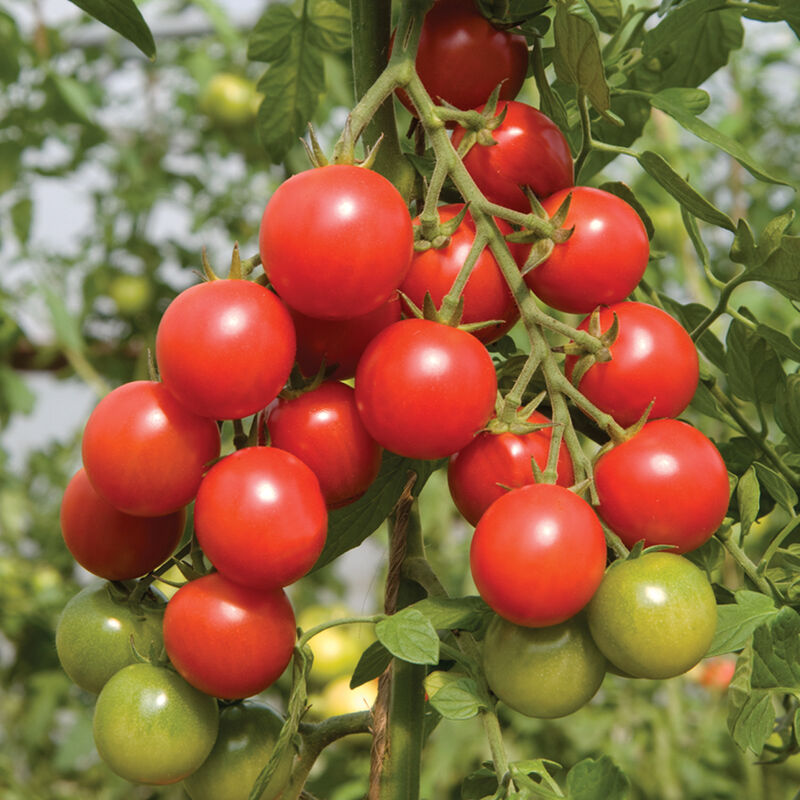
{"x": 744, "y": 561}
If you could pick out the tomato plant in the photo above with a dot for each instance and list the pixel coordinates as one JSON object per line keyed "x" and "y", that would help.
{"x": 667, "y": 484}
{"x": 538, "y": 554}
{"x": 229, "y": 640}
{"x": 653, "y": 616}
{"x": 260, "y": 517}
{"x": 543, "y": 672}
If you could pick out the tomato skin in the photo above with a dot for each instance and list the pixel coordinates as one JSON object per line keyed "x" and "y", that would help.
{"x": 150, "y": 726}
{"x": 247, "y": 736}
{"x": 336, "y": 241}
{"x": 323, "y": 429}
{"x": 543, "y": 672}
{"x": 538, "y": 554}
{"x": 667, "y": 484}
{"x": 225, "y": 348}
{"x": 144, "y": 452}
{"x": 530, "y": 151}
{"x": 339, "y": 341}
{"x": 462, "y": 57}
{"x": 409, "y": 388}
{"x": 260, "y": 517}
{"x": 93, "y": 635}
{"x": 653, "y": 616}
{"x": 109, "y": 543}
{"x": 601, "y": 262}
{"x": 230, "y": 99}
{"x": 653, "y": 357}
{"x": 486, "y": 295}
{"x": 477, "y": 474}
{"x": 228, "y": 640}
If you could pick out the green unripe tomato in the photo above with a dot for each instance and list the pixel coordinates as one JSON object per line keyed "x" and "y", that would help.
{"x": 151, "y": 726}
{"x": 93, "y": 635}
{"x": 230, "y": 99}
{"x": 247, "y": 735}
{"x": 131, "y": 294}
{"x": 543, "y": 672}
{"x": 653, "y": 616}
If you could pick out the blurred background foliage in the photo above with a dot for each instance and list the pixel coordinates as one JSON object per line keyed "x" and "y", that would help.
{"x": 114, "y": 172}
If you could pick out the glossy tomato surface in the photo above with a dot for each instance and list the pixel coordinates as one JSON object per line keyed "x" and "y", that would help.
{"x": 653, "y": 616}
{"x": 144, "y": 452}
{"x": 339, "y": 342}
{"x": 150, "y": 726}
{"x": 543, "y": 672}
{"x": 653, "y": 358}
{"x": 247, "y": 736}
{"x": 260, "y": 517}
{"x": 538, "y": 554}
{"x": 225, "y": 348}
{"x": 323, "y": 429}
{"x": 336, "y": 241}
{"x": 462, "y": 57}
{"x": 478, "y": 474}
{"x": 530, "y": 150}
{"x": 229, "y": 640}
{"x": 486, "y": 294}
{"x": 601, "y": 262}
{"x": 667, "y": 484}
{"x": 423, "y": 389}
{"x": 110, "y": 543}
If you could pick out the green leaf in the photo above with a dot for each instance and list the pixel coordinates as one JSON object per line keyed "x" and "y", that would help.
{"x": 780, "y": 342}
{"x": 348, "y": 527}
{"x": 748, "y": 493}
{"x": 705, "y": 402}
{"x": 16, "y": 396}
{"x": 21, "y": 217}
{"x": 753, "y": 367}
{"x": 608, "y": 13}
{"x": 577, "y": 57}
{"x": 124, "y": 17}
{"x": 66, "y": 327}
{"x": 75, "y": 95}
{"x": 624, "y": 192}
{"x": 274, "y": 34}
{"x": 597, "y": 780}
{"x": 479, "y": 784}
{"x": 776, "y": 652}
{"x": 781, "y": 270}
{"x": 456, "y": 613}
{"x": 453, "y": 695}
{"x": 690, "y": 316}
{"x": 787, "y": 408}
{"x": 751, "y": 716}
{"x": 689, "y": 100}
{"x": 737, "y": 621}
{"x": 330, "y": 26}
{"x": 658, "y": 168}
{"x": 371, "y": 664}
{"x": 776, "y": 486}
{"x": 409, "y": 636}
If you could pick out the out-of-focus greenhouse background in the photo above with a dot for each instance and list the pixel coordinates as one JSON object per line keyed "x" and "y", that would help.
{"x": 114, "y": 173}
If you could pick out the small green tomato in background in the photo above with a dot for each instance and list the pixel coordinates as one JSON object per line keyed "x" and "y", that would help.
{"x": 543, "y": 672}
{"x": 132, "y": 294}
{"x": 230, "y": 99}
{"x": 247, "y": 735}
{"x": 653, "y": 616}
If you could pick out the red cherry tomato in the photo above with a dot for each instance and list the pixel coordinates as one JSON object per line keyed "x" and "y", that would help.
{"x": 653, "y": 358}
{"x": 260, "y": 517}
{"x": 667, "y": 484}
{"x": 462, "y": 57}
{"x": 478, "y": 474}
{"x": 322, "y": 428}
{"x": 109, "y": 543}
{"x": 530, "y": 151}
{"x": 336, "y": 241}
{"x": 424, "y": 389}
{"x": 225, "y": 348}
{"x": 601, "y": 262}
{"x": 228, "y": 640}
{"x": 339, "y": 342}
{"x": 144, "y": 452}
{"x": 538, "y": 555}
{"x": 486, "y": 295}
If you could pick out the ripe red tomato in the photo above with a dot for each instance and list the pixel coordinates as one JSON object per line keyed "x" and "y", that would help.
{"x": 339, "y": 342}
{"x": 225, "y": 348}
{"x": 110, "y": 543}
{"x": 538, "y": 555}
{"x": 601, "y": 262}
{"x": 336, "y": 241}
{"x": 530, "y": 151}
{"x": 653, "y": 358}
{"x": 410, "y": 388}
{"x": 667, "y": 484}
{"x": 462, "y": 57}
{"x": 228, "y": 640}
{"x": 486, "y": 295}
{"x": 478, "y": 474}
{"x": 144, "y": 452}
{"x": 260, "y": 517}
{"x": 323, "y": 429}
